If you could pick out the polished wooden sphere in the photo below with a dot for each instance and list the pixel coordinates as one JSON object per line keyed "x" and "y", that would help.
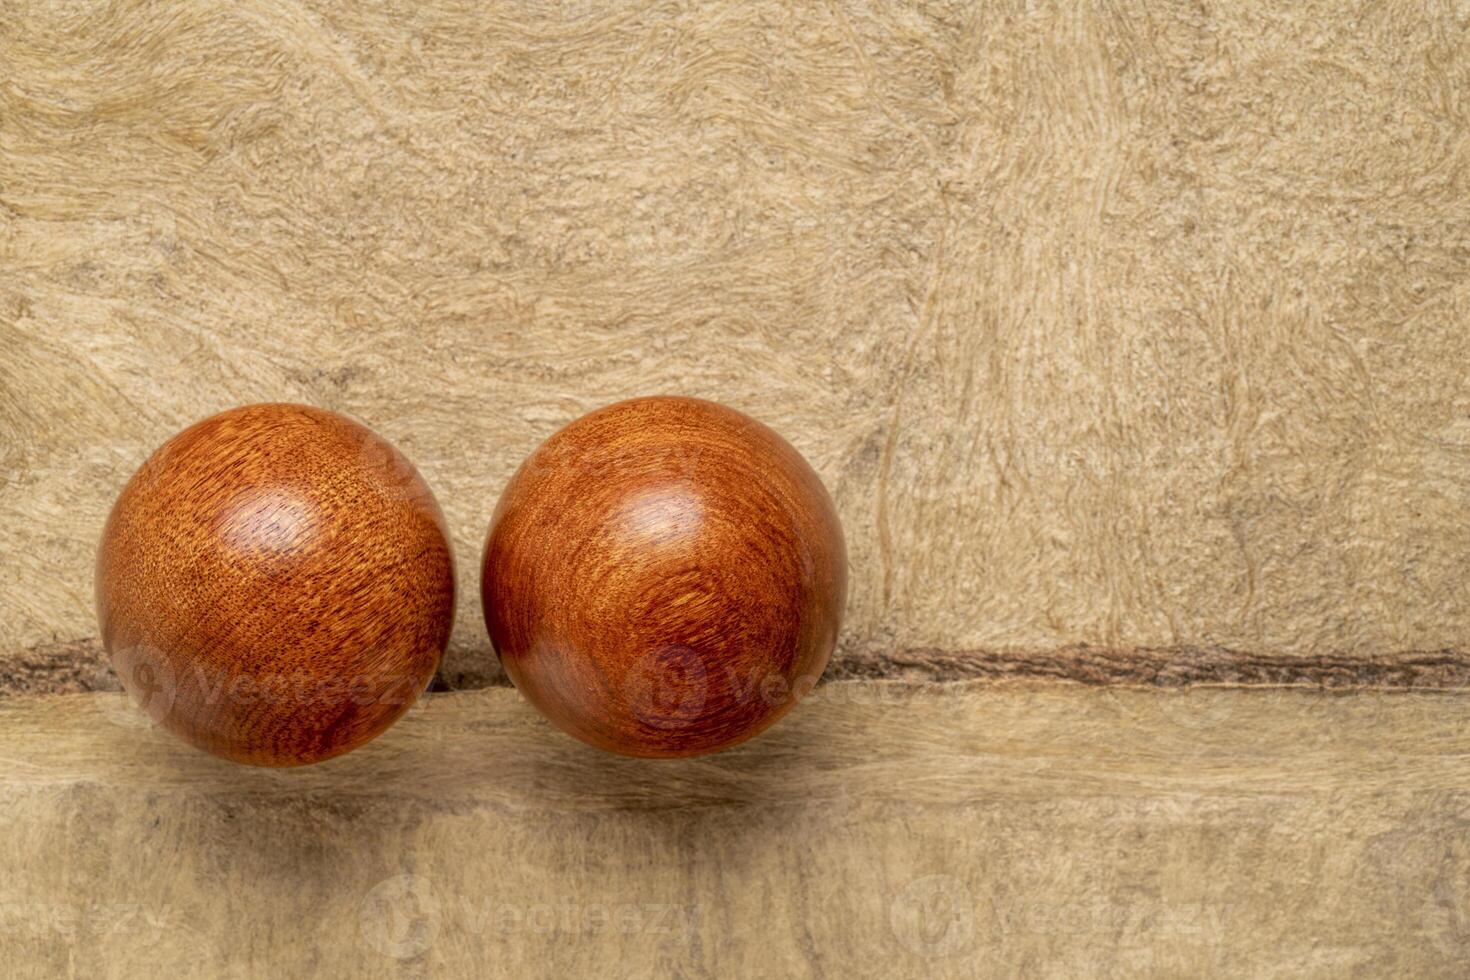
{"x": 664, "y": 577}
{"x": 275, "y": 585}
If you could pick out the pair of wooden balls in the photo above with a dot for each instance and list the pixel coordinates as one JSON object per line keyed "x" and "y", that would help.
{"x": 662, "y": 577}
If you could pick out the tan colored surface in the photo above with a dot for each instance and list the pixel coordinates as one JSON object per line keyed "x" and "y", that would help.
{"x": 1117, "y": 324}
{"x": 1129, "y": 325}
{"x": 880, "y": 831}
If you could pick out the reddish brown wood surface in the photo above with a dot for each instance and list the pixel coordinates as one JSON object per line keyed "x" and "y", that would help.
{"x": 664, "y": 577}
{"x": 275, "y": 585}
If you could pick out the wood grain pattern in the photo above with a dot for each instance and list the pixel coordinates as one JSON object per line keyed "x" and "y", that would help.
{"x": 882, "y": 830}
{"x": 1129, "y": 338}
{"x": 1136, "y": 326}
{"x": 275, "y": 585}
{"x": 664, "y": 577}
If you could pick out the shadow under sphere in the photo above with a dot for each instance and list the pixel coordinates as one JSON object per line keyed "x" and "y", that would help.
{"x": 664, "y": 577}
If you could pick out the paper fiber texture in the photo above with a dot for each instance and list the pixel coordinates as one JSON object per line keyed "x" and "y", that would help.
{"x": 1129, "y": 325}
{"x": 881, "y": 830}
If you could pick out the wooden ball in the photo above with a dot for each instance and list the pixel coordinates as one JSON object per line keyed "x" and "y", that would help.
{"x": 275, "y": 585}
{"x": 664, "y": 577}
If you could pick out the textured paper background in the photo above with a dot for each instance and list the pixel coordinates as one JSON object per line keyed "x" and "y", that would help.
{"x": 1130, "y": 339}
{"x": 880, "y": 831}
{"x": 1112, "y": 324}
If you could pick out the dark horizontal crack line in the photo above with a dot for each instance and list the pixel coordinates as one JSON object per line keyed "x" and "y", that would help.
{"x": 80, "y": 665}
{"x": 1167, "y": 667}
